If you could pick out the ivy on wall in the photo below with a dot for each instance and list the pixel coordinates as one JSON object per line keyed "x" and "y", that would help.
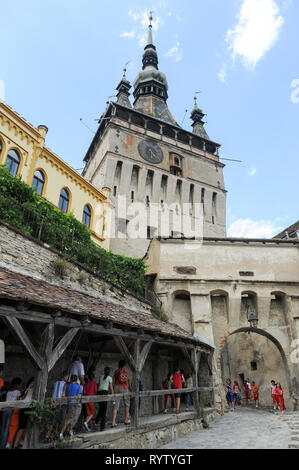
{"x": 21, "y": 207}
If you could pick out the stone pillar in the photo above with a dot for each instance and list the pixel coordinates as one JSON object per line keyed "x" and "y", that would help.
{"x": 202, "y": 315}
{"x": 263, "y": 309}
{"x": 234, "y": 309}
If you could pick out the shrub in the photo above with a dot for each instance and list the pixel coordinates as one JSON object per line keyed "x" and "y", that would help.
{"x": 21, "y": 207}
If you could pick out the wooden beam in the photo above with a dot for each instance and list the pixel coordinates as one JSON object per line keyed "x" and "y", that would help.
{"x": 41, "y": 382}
{"x": 17, "y": 329}
{"x": 143, "y": 356}
{"x": 61, "y": 347}
{"x": 124, "y": 350}
{"x": 187, "y": 357}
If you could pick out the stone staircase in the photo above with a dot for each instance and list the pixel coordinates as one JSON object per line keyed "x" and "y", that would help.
{"x": 292, "y": 419}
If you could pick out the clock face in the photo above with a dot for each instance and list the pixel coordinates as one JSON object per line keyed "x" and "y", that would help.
{"x": 150, "y": 152}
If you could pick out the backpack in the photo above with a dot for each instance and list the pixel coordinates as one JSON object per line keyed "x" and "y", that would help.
{"x": 123, "y": 377}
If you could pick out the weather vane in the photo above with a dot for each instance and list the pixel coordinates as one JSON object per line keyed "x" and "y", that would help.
{"x": 125, "y": 68}
{"x": 195, "y": 97}
{"x": 151, "y": 17}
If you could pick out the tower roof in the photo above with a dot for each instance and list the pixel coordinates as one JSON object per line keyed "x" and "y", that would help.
{"x": 150, "y": 85}
{"x": 123, "y": 89}
{"x": 197, "y": 116}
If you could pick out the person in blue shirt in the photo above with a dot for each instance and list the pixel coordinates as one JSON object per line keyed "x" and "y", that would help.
{"x": 229, "y": 394}
{"x": 73, "y": 389}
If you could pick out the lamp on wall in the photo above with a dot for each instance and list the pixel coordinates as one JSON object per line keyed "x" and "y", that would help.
{"x": 253, "y": 320}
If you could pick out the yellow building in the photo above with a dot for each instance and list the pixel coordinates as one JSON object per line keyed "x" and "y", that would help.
{"x": 22, "y": 148}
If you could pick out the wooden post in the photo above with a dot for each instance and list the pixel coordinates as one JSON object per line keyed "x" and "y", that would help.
{"x": 195, "y": 361}
{"x": 41, "y": 381}
{"x": 135, "y": 384}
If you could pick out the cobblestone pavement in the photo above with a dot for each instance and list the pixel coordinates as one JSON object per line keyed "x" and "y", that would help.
{"x": 245, "y": 428}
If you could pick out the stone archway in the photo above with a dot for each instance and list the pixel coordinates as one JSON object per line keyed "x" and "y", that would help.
{"x": 259, "y": 356}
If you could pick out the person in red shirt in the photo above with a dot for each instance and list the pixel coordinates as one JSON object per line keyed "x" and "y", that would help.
{"x": 1, "y": 379}
{"x": 279, "y": 396}
{"x": 90, "y": 389}
{"x": 178, "y": 381}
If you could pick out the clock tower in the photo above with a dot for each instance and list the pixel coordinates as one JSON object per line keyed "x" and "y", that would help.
{"x": 147, "y": 160}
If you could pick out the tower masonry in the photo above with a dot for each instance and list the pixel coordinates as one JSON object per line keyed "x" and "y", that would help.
{"x": 142, "y": 154}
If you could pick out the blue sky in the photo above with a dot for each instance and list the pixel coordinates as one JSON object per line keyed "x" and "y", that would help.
{"x": 61, "y": 60}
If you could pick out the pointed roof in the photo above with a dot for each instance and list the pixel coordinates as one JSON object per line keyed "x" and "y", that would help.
{"x": 197, "y": 116}
{"x": 150, "y": 85}
{"x": 123, "y": 89}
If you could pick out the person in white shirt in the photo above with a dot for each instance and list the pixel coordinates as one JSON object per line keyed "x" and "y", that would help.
{"x": 77, "y": 368}
{"x": 105, "y": 386}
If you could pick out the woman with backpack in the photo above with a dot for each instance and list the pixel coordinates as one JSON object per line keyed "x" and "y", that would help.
{"x": 121, "y": 385}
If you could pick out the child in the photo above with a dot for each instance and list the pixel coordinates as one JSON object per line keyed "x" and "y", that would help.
{"x": 167, "y": 385}
{"x": 273, "y": 387}
{"x": 189, "y": 384}
{"x": 58, "y": 392}
{"x": 90, "y": 389}
{"x": 255, "y": 391}
{"x": 247, "y": 389}
{"x": 237, "y": 393}
{"x": 74, "y": 409}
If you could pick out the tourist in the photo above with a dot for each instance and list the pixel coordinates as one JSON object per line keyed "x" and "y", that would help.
{"x": 237, "y": 393}
{"x": 59, "y": 392}
{"x": 1, "y": 378}
{"x": 77, "y": 368}
{"x": 255, "y": 391}
{"x": 274, "y": 398}
{"x": 23, "y": 416}
{"x": 105, "y": 386}
{"x": 167, "y": 385}
{"x": 189, "y": 384}
{"x": 13, "y": 394}
{"x": 73, "y": 389}
{"x": 279, "y": 397}
{"x": 229, "y": 394}
{"x": 90, "y": 389}
{"x": 247, "y": 389}
{"x": 178, "y": 381}
{"x": 121, "y": 385}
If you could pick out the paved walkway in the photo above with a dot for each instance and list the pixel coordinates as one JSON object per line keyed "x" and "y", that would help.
{"x": 244, "y": 428}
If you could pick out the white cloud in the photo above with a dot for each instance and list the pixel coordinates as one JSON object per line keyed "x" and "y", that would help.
{"x": 175, "y": 52}
{"x": 252, "y": 171}
{"x": 2, "y": 90}
{"x": 258, "y": 27}
{"x": 128, "y": 34}
{"x": 247, "y": 228}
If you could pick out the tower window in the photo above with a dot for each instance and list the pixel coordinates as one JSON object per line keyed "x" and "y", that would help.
{"x": 38, "y": 182}
{"x": 253, "y": 365}
{"x": 147, "y": 201}
{"x": 86, "y": 219}
{"x": 114, "y": 190}
{"x": 64, "y": 201}
{"x": 13, "y": 162}
{"x": 132, "y": 196}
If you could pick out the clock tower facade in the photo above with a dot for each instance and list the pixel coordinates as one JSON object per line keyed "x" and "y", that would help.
{"x": 148, "y": 161}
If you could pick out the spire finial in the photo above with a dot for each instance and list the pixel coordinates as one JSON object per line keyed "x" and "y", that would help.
{"x": 125, "y": 69}
{"x": 195, "y": 98}
{"x": 150, "y": 29}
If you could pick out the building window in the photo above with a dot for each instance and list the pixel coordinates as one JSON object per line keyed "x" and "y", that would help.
{"x": 147, "y": 201}
{"x": 132, "y": 196}
{"x": 64, "y": 201}
{"x": 1, "y": 147}
{"x": 13, "y": 162}
{"x": 114, "y": 191}
{"x": 86, "y": 219}
{"x": 38, "y": 182}
{"x": 253, "y": 365}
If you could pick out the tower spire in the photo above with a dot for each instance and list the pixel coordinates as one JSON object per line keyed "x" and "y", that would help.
{"x": 197, "y": 116}
{"x": 150, "y": 30}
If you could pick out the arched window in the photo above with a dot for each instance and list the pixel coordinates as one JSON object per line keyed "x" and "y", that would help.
{"x": 1, "y": 147}
{"x": 38, "y": 182}
{"x": 86, "y": 216}
{"x": 13, "y": 162}
{"x": 64, "y": 200}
